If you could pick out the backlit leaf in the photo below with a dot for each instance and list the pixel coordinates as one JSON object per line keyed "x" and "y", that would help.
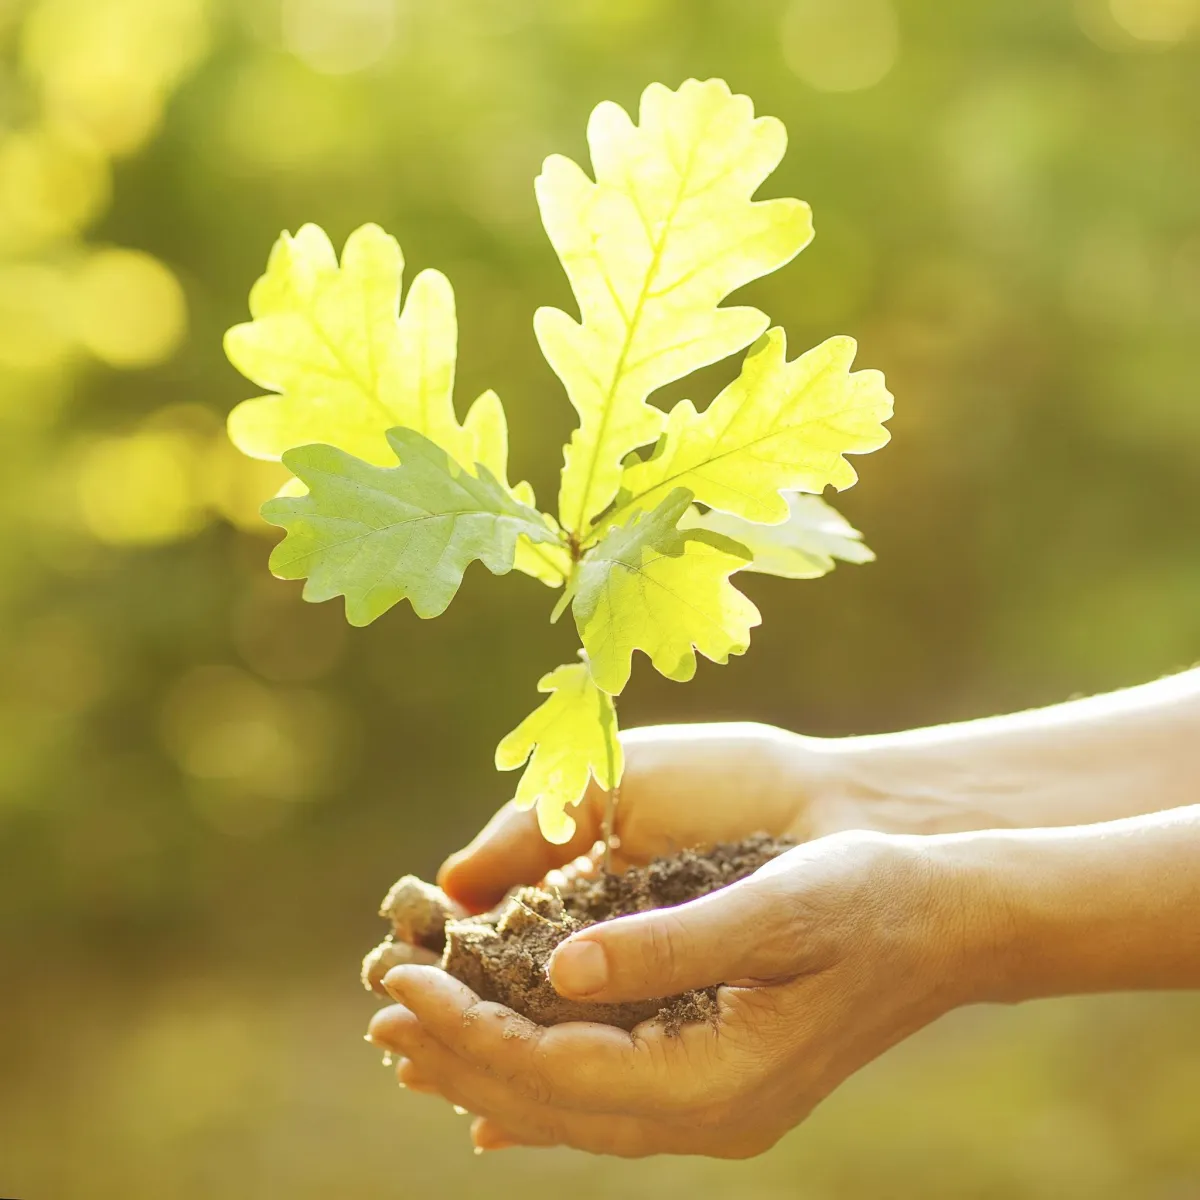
{"x": 779, "y": 426}
{"x": 378, "y": 535}
{"x": 651, "y": 249}
{"x": 571, "y": 737}
{"x": 345, "y": 368}
{"x": 803, "y": 547}
{"x": 648, "y": 586}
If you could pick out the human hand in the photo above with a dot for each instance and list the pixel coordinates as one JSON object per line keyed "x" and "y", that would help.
{"x": 833, "y": 952}
{"x": 684, "y": 785}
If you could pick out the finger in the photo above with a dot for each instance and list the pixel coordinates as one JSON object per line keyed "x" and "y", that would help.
{"x": 409, "y": 1075}
{"x": 489, "y": 1135}
{"x": 583, "y": 1066}
{"x": 507, "y": 1045}
{"x": 523, "y": 1120}
{"x": 743, "y": 932}
{"x": 510, "y": 850}
{"x": 441, "y": 1071}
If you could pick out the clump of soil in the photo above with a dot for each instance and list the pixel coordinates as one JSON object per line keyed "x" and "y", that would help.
{"x": 502, "y": 955}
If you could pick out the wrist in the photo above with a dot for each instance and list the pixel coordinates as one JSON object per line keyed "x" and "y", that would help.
{"x": 949, "y": 921}
{"x": 979, "y": 876}
{"x": 906, "y": 923}
{"x": 864, "y": 783}
{"x": 1092, "y": 908}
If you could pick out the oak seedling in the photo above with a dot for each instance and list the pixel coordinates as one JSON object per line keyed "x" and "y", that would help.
{"x": 394, "y": 497}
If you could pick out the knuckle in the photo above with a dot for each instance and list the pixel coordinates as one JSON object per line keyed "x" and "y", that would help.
{"x": 664, "y": 947}
{"x": 537, "y": 1078}
{"x": 690, "y": 1072}
{"x": 667, "y": 1079}
{"x": 533, "y": 1085}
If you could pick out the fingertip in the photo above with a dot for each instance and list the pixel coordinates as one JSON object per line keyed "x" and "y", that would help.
{"x": 498, "y": 858}
{"x": 486, "y": 1136}
{"x": 388, "y": 1025}
{"x": 457, "y": 877}
{"x": 401, "y": 982}
{"x": 408, "y": 1075}
{"x": 508, "y": 851}
{"x": 578, "y": 968}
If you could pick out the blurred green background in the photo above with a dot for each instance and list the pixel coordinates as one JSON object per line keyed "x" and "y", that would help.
{"x": 205, "y": 785}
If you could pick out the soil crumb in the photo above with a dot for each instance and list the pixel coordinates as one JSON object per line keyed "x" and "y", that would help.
{"x": 502, "y": 955}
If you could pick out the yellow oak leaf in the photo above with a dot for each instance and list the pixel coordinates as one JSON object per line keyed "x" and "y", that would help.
{"x": 779, "y": 426}
{"x": 649, "y": 586}
{"x": 567, "y": 740}
{"x": 651, "y": 248}
{"x": 802, "y": 547}
{"x": 346, "y": 366}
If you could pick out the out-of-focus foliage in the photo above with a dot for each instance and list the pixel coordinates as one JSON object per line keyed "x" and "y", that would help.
{"x": 199, "y": 805}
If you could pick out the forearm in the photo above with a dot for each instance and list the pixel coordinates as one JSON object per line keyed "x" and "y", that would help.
{"x": 1131, "y": 752}
{"x": 1100, "y": 908}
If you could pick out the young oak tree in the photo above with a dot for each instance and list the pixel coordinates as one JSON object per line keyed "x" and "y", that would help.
{"x": 393, "y": 497}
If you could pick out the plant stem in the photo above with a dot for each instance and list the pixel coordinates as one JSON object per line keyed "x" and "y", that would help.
{"x": 609, "y": 828}
{"x": 610, "y": 821}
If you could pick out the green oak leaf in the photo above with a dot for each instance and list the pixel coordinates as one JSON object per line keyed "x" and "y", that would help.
{"x": 648, "y": 586}
{"x": 378, "y": 535}
{"x": 651, "y": 248}
{"x": 572, "y": 737}
{"x": 779, "y": 426}
{"x": 803, "y": 547}
{"x": 326, "y": 338}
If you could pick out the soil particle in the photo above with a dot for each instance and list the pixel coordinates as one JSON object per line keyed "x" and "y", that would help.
{"x": 502, "y": 955}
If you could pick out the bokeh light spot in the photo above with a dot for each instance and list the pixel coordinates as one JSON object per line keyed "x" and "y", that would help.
{"x": 278, "y": 116}
{"x": 51, "y": 186}
{"x": 1164, "y": 21}
{"x": 840, "y": 45}
{"x": 129, "y": 308}
{"x": 35, "y": 333}
{"x": 104, "y": 67}
{"x": 224, "y": 727}
{"x": 140, "y": 489}
{"x": 339, "y": 37}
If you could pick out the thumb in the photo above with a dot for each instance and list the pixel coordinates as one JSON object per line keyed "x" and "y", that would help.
{"x": 743, "y": 932}
{"x": 509, "y": 851}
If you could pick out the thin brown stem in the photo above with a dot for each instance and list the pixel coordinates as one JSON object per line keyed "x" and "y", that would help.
{"x": 609, "y": 828}
{"x": 610, "y": 824}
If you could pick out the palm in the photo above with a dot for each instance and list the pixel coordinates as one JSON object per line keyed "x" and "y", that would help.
{"x": 684, "y": 786}
{"x": 695, "y": 785}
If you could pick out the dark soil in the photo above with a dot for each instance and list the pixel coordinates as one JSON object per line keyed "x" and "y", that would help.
{"x": 502, "y": 955}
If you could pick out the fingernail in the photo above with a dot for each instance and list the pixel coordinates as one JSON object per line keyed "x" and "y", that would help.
{"x": 394, "y": 981}
{"x": 579, "y": 968}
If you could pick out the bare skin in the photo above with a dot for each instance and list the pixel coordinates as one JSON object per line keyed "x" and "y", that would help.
{"x": 1041, "y": 854}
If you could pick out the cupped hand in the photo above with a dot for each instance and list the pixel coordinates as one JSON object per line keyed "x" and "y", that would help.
{"x": 829, "y": 955}
{"x": 684, "y": 785}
